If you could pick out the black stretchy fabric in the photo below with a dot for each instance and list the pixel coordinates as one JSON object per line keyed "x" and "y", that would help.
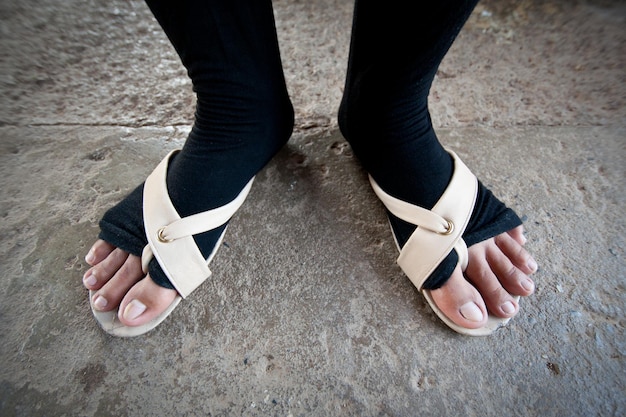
{"x": 244, "y": 115}
{"x": 395, "y": 51}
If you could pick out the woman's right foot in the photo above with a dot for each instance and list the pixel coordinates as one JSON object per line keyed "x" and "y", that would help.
{"x": 117, "y": 283}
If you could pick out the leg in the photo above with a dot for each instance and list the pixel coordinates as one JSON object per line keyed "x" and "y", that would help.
{"x": 394, "y": 56}
{"x": 243, "y": 117}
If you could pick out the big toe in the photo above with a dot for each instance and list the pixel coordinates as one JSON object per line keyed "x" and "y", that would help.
{"x": 460, "y": 302}
{"x": 144, "y": 302}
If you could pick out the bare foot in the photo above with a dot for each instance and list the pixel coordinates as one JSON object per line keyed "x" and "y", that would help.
{"x": 118, "y": 283}
{"x": 498, "y": 269}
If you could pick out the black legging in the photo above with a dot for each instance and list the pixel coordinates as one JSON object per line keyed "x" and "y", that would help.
{"x": 395, "y": 51}
{"x": 230, "y": 50}
{"x": 231, "y": 53}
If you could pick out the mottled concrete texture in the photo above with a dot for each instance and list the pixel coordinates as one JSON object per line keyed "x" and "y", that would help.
{"x": 307, "y": 313}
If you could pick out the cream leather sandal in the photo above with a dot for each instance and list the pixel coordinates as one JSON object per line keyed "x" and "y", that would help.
{"x": 438, "y": 232}
{"x": 170, "y": 241}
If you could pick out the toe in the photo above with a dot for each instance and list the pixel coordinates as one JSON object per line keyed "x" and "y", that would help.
{"x": 516, "y": 253}
{"x": 104, "y": 270}
{"x": 518, "y": 235}
{"x": 98, "y": 252}
{"x": 512, "y": 264}
{"x": 507, "y": 275}
{"x": 144, "y": 301}
{"x": 499, "y": 302}
{"x": 112, "y": 291}
{"x": 459, "y": 301}
{"x": 495, "y": 280}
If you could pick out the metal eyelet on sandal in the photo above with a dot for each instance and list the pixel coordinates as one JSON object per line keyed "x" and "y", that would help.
{"x": 162, "y": 238}
{"x": 449, "y": 228}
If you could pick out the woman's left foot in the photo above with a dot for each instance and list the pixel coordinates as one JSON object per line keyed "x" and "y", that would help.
{"x": 498, "y": 269}
{"x": 465, "y": 252}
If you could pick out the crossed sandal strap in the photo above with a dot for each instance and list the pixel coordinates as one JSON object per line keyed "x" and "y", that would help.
{"x": 440, "y": 229}
{"x": 170, "y": 237}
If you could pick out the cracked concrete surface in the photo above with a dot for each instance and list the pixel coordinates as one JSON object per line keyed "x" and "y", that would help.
{"x": 307, "y": 313}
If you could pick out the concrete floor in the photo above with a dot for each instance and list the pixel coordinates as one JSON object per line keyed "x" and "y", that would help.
{"x": 306, "y": 313}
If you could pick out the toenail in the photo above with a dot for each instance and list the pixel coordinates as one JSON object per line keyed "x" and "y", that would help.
{"x": 90, "y": 280}
{"x": 100, "y": 302}
{"x": 528, "y": 285}
{"x": 532, "y": 264}
{"x": 134, "y": 309}
{"x": 90, "y": 257}
{"x": 508, "y": 307}
{"x": 471, "y": 312}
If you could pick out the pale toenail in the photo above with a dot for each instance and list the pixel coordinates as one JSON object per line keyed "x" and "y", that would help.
{"x": 100, "y": 302}
{"x": 90, "y": 280}
{"x": 134, "y": 309}
{"x": 471, "y": 312}
{"x": 528, "y": 285}
{"x": 90, "y": 257}
{"x": 508, "y": 307}
{"x": 532, "y": 264}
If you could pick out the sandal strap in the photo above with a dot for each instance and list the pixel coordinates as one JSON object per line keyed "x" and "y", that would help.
{"x": 440, "y": 229}
{"x": 170, "y": 237}
{"x": 205, "y": 221}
